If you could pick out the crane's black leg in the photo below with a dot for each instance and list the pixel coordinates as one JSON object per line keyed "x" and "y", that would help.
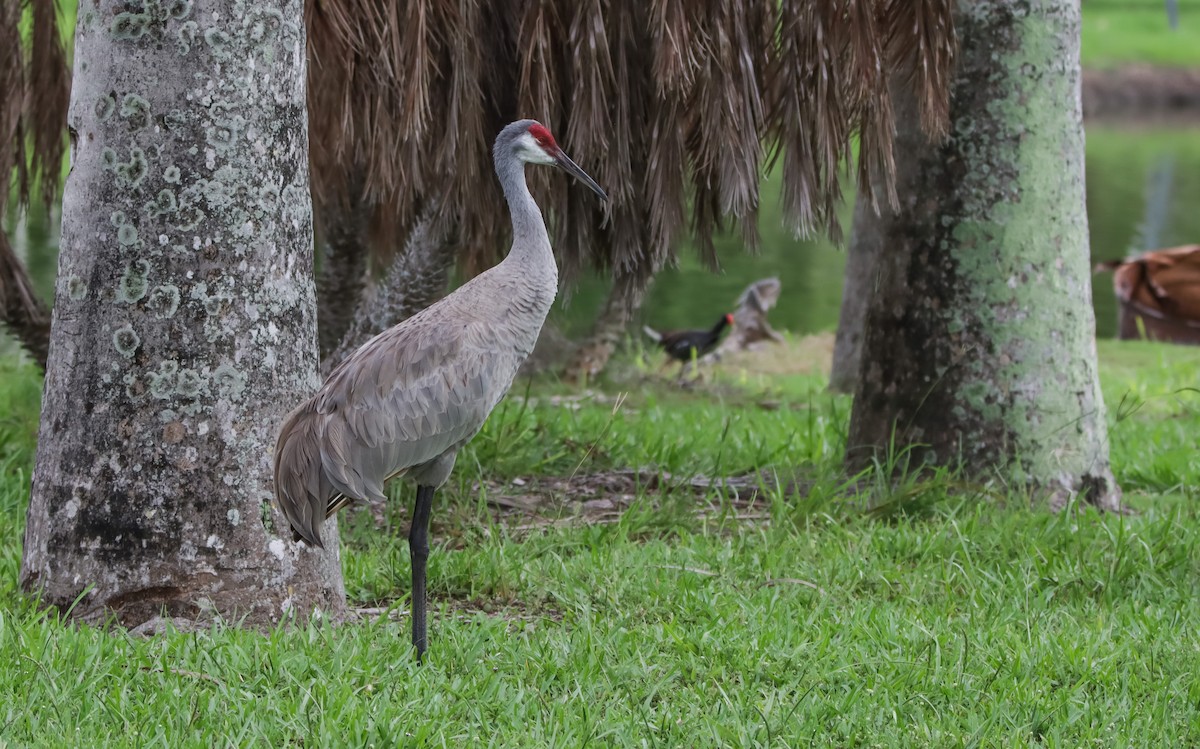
{"x": 418, "y": 550}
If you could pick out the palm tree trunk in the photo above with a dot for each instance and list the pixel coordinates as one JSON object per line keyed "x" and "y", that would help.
{"x": 417, "y": 278}
{"x": 184, "y": 324}
{"x": 343, "y": 272}
{"x": 624, "y": 299}
{"x": 980, "y": 347}
{"x": 858, "y": 284}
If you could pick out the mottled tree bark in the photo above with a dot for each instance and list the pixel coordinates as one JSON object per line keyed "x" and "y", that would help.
{"x": 858, "y": 285}
{"x": 980, "y": 346}
{"x": 184, "y": 321}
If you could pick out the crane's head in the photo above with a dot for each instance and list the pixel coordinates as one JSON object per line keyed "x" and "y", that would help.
{"x": 532, "y": 143}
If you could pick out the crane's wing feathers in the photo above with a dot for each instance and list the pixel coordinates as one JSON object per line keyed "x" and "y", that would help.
{"x": 403, "y": 399}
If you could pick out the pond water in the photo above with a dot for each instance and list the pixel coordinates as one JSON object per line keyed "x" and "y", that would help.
{"x": 1143, "y": 191}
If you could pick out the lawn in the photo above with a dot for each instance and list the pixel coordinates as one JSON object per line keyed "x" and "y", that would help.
{"x": 956, "y": 617}
{"x": 1117, "y": 32}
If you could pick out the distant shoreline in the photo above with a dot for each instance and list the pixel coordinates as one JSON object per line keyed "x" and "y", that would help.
{"x": 1142, "y": 90}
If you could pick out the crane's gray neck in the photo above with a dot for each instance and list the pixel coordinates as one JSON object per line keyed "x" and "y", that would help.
{"x": 531, "y": 243}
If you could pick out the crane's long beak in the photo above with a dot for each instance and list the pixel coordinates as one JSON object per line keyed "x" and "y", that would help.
{"x": 572, "y": 168}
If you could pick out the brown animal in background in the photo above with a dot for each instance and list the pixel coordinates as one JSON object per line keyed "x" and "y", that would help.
{"x": 1159, "y": 294}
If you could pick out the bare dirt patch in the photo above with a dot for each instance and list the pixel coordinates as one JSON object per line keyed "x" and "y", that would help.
{"x": 518, "y": 613}
{"x": 527, "y": 504}
{"x": 811, "y": 354}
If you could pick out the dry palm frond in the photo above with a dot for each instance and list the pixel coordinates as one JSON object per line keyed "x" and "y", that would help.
{"x": 464, "y": 153}
{"x": 539, "y": 64}
{"x": 665, "y": 102}
{"x": 804, "y": 118}
{"x": 12, "y": 100}
{"x": 662, "y": 100}
{"x": 673, "y": 28}
{"x": 726, "y": 116}
{"x": 625, "y": 244}
{"x": 869, "y": 65}
{"x": 664, "y": 186}
{"x": 34, "y": 93}
{"x": 48, "y": 96}
{"x": 921, "y": 42}
{"x": 24, "y": 313}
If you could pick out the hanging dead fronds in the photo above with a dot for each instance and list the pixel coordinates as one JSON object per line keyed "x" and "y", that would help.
{"x": 34, "y": 93}
{"x": 25, "y": 315}
{"x": 665, "y": 102}
{"x": 921, "y": 43}
{"x": 12, "y": 101}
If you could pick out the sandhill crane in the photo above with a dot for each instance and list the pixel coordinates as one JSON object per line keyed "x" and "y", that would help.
{"x": 688, "y": 345}
{"x": 408, "y": 399}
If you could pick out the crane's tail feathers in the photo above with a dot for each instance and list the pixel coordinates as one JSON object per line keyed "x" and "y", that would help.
{"x": 301, "y": 487}
{"x": 336, "y": 504}
{"x": 654, "y": 334}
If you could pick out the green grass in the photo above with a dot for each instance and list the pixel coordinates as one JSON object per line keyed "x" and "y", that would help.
{"x": 955, "y": 622}
{"x": 1117, "y": 32}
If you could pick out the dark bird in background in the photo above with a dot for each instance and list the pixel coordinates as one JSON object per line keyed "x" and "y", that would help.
{"x": 689, "y": 345}
{"x": 406, "y": 401}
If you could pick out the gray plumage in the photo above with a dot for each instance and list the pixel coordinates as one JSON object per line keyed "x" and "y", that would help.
{"x": 408, "y": 399}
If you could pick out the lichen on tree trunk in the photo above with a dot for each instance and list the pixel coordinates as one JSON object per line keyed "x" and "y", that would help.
{"x": 184, "y": 320}
{"x": 980, "y": 346}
